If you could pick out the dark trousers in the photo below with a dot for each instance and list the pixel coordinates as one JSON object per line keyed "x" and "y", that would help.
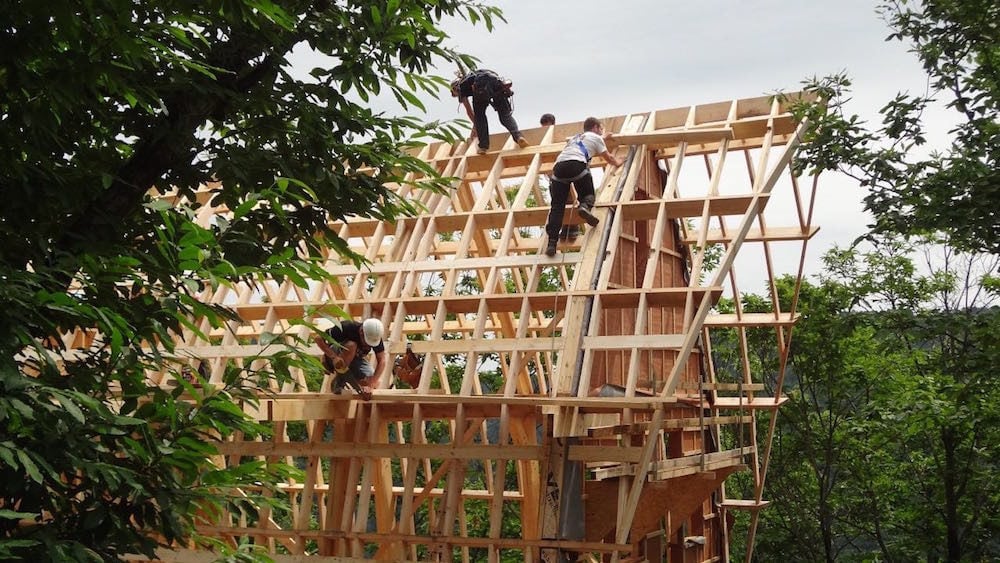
{"x": 488, "y": 91}
{"x": 559, "y": 192}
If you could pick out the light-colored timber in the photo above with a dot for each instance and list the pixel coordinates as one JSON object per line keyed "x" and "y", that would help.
{"x": 572, "y": 406}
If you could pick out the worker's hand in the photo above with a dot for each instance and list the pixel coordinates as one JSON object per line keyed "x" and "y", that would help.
{"x": 339, "y": 365}
{"x": 366, "y": 389}
{"x": 473, "y": 136}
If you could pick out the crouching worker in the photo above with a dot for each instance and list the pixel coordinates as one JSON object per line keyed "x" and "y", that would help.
{"x": 487, "y": 88}
{"x": 573, "y": 167}
{"x": 345, "y": 355}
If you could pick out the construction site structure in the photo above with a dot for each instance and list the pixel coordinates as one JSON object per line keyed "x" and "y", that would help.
{"x": 559, "y": 408}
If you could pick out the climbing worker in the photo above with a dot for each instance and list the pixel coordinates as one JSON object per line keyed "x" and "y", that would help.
{"x": 486, "y": 88}
{"x": 345, "y": 355}
{"x": 572, "y": 167}
{"x": 568, "y": 232}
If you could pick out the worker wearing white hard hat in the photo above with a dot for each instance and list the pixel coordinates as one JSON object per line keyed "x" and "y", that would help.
{"x": 346, "y": 347}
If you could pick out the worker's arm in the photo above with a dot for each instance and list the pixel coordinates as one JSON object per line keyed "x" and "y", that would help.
{"x": 611, "y": 159}
{"x": 328, "y": 350}
{"x": 472, "y": 116}
{"x": 340, "y": 357}
{"x": 468, "y": 110}
{"x": 381, "y": 359}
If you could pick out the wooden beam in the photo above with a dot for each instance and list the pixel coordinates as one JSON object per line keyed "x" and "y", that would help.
{"x": 765, "y": 403}
{"x": 504, "y": 543}
{"x": 747, "y": 504}
{"x": 667, "y": 137}
{"x": 640, "y": 428}
{"x": 495, "y": 303}
{"x": 365, "y": 450}
{"x": 536, "y": 216}
{"x": 751, "y": 320}
{"x": 771, "y": 234}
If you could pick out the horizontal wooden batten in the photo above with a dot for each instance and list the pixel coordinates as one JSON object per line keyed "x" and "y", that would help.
{"x": 517, "y": 156}
{"x": 751, "y": 320}
{"x": 640, "y": 428}
{"x": 744, "y": 403}
{"x": 771, "y": 234}
{"x": 720, "y": 387}
{"x": 450, "y": 265}
{"x": 495, "y": 303}
{"x": 647, "y": 210}
{"x": 745, "y": 504}
{"x": 393, "y": 451}
{"x": 676, "y": 208}
{"x": 398, "y": 404}
{"x": 668, "y": 137}
{"x": 457, "y": 346}
{"x": 674, "y": 467}
{"x": 439, "y": 541}
{"x": 638, "y": 342}
{"x": 470, "y": 494}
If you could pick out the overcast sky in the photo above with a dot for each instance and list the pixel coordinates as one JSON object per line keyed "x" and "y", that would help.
{"x": 576, "y": 58}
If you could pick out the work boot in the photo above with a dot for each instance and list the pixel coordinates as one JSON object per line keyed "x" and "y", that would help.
{"x": 481, "y": 150}
{"x": 586, "y": 211}
{"x": 550, "y": 248}
{"x": 570, "y": 232}
{"x": 522, "y": 142}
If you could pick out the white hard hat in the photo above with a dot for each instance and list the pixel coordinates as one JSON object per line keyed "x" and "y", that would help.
{"x": 372, "y": 331}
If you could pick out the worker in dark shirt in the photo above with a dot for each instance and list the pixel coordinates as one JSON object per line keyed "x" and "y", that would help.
{"x": 486, "y": 88}
{"x": 345, "y": 355}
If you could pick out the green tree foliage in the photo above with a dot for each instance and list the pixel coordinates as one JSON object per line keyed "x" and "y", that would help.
{"x": 956, "y": 190}
{"x": 103, "y": 101}
{"x": 937, "y": 403}
{"x": 815, "y": 448}
{"x": 888, "y": 447}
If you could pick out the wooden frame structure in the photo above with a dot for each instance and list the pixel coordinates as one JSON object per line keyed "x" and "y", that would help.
{"x": 569, "y": 407}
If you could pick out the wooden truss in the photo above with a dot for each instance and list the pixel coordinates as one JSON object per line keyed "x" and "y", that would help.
{"x": 567, "y": 406}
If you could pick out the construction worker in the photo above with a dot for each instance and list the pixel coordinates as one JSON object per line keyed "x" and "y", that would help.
{"x": 573, "y": 167}
{"x": 568, "y": 232}
{"x": 345, "y": 355}
{"x": 486, "y": 88}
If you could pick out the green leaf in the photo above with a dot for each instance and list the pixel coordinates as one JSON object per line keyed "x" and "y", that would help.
{"x": 7, "y": 453}
{"x": 29, "y": 466}
{"x": 12, "y": 515}
{"x": 128, "y": 421}
{"x": 70, "y": 407}
{"x": 158, "y": 205}
{"x": 21, "y": 407}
